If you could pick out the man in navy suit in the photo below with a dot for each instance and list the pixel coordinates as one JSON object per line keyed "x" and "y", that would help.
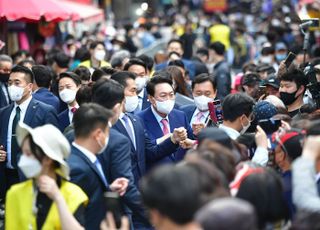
{"x": 161, "y": 118}
{"x": 5, "y": 69}
{"x": 69, "y": 84}
{"x": 91, "y": 128}
{"x": 143, "y": 151}
{"x": 32, "y": 112}
{"x": 42, "y": 81}
{"x": 117, "y": 157}
{"x": 139, "y": 68}
{"x": 203, "y": 91}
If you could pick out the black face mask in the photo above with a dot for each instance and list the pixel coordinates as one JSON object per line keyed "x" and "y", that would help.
{"x": 4, "y": 77}
{"x": 288, "y": 98}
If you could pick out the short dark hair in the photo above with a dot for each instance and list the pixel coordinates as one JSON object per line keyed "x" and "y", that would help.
{"x": 134, "y": 61}
{"x": 176, "y": 40}
{"x": 27, "y": 61}
{"x": 203, "y": 78}
{"x": 122, "y": 76}
{"x": 94, "y": 44}
{"x": 61, "y": 59}
{"x": 158, "y": 79}
{"x": 218, "y": 47}
{"x": 296, "y": 76}
{"x": 159, "y": 190}
{"x": 203, "y": 51}
{"x": 42, "y": 75}
{"x": 22, "y": 69}
{"x": 235, "y": 105}
{"x": 84, "y": 94}
{"x": 108, "y": 93}
{"x": 75, "y": 78}
{"x": 178, "y": 63}
{"x": 89, "y": 117}
{"x": 147, "y": 60}
{"x": 97, "y": 74}
{"x": 83, "y": 72}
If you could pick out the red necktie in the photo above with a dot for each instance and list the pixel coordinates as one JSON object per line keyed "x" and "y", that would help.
{"x": 165, "y": 128}
{"x": 73, "y": 109}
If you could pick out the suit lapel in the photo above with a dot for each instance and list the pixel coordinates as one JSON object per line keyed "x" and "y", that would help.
{"x": 153, "y": 124}
{"x": 87, "y": 161}
{"x": 31, "y": 111}
{"x": 120, "y": 127}
{"x": 6, "y": 117}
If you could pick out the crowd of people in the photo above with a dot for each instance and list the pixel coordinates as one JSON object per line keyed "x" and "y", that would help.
{"x": 217, "y": 131}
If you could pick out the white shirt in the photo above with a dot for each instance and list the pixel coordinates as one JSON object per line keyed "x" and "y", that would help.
{"x": 70, "y": 114}
{"x": 23, "y": 109}
{"x": 92, "y": 158}
{"x": 131, "y": 127}
{"x": 232, "y": 133}
{"x": 203, "y": 119}
{"x": 140, "y": 97}
{"x": 159, "y": 118}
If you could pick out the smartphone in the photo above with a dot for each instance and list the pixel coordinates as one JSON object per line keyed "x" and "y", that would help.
{"x": 269, "y": 125}
{"x": 262, "y": 91}
{"x": 113, "y": 205}
{"x": 289, "y": 59}
{"x": 215, "y": 111}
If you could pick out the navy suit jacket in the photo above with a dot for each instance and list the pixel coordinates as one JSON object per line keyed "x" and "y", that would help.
{"x": 63, "y": 119}
{"x": 188, "y": 111}
{"x": 37, "y": 114}
{"x": 3, "y": 101}
{"x": 45, "y": 96}
{"x": 146, "y": 151}
{"x": 176, "y": 119}
{"x": 86, "y": 175}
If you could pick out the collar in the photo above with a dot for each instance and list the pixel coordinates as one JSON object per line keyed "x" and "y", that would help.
{"x": 157, "y": 116}
{"x": 24, "y": 105}
{"x": 205, "y": 113}
{"x": 141, "y": 94}
{"x": 86, "y": 152}
{"x": 76, "y": 106}
{"x": 232, "y": 133}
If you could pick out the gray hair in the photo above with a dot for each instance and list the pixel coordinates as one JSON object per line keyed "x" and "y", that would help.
{"x": 5, "y": 58}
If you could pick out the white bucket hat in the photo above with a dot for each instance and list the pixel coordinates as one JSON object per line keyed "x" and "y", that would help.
{"x": 50, "y": 140}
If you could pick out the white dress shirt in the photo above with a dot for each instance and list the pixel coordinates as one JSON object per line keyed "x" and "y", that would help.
{"x": 232, "y": 133}
{"x": 23, "y": 109}
{"x": 70, "y": 114}
{"x": 140, "y": 97}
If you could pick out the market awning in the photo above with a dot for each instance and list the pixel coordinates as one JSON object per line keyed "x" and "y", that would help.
{"x": 50, "y": 10}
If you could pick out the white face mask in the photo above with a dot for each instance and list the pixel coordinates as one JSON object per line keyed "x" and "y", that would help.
{"x": 266, "y": 59}
{"x": 103, "y": 147}
{"x": 141, "y": 83}
{"x": 245, "y": 128}
{"x": 99, "y": 55}
{"x": 68, "y": 95}
{"x": 131, "y": 104}
{"x": 15, "y": 92}
{"x": 30, "y": 166}
{"x": 165, "y": 106}
{"x": 202, "y": 102}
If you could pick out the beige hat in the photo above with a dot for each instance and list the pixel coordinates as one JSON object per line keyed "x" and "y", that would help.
{"x": 50, "y": 140}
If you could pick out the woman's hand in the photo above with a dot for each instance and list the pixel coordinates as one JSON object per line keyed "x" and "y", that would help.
{"x": 49, "y": 186}
{"x": 109, "y": 224}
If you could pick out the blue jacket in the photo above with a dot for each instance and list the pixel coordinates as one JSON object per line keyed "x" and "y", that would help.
{"x": 176, "y": 119}
{"x": 145, "y": 102}
{"x": 45, "y": 96}
{"x": 64, "y": 120}
{"x": 86, "y": 175}
{"x": 37, "y": 114}
{"x": 188, "y": 111}
{"x": 146, "y": 151}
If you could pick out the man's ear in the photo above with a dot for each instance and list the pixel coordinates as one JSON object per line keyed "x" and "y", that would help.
{"x": 301, "y": 90}
{"x": 151, "y": 100}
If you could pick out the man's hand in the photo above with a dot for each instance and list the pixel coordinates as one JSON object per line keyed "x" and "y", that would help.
{"x": 179, "y": 134}
{"x": 197, "y": 127}
{"x": 261, "y": 138}
{"x": 119, "y": 185}
{"x": 3, "y": 154}
{"x": 187, "y": 143}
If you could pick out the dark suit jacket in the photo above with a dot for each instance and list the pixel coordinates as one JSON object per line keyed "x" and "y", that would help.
{"x": 37, "y": 114}
{"x": 176, "y": 119}
{"x": 188, "y": 111}
{"x": 63, "y": 119}
{"x": 45, "y": 96}
{"x": 117, "y": 163}
{"x": 86, "y": 175}
{"x": 146, "y": 151}
{"x": 3, "y": 101}
{"x": 145, "y": 102}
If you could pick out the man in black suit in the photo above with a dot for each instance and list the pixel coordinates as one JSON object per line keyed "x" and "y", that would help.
{"x": 91, "y": 128}
{"x": 32, "y": 112}
{"x": 5, "y": 69}
{"x": 117, "y": 157}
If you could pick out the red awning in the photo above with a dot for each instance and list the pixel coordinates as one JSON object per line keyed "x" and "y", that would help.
{"x": 51, "y": 10}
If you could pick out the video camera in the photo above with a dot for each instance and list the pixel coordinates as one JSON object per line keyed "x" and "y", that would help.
{"x": 313, "y": 85}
